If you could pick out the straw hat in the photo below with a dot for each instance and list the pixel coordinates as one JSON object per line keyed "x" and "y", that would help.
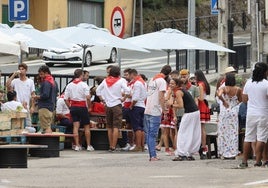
{"x": 229, "y": 69}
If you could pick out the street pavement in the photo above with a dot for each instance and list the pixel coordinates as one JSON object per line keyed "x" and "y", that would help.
{"x": 145, "y": 63}
{"x": 103, "y": 169}
{"x": 129, "y": 170}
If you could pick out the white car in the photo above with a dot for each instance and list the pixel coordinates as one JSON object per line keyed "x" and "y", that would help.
{"x": 75, "y": 55}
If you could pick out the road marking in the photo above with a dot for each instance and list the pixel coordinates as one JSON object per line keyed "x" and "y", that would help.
{"x": 171, "y": 176}
{"x": 256, "y": 182}
{"x": 5, "y": 181}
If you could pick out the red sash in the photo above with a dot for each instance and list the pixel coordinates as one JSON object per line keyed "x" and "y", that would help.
{"x": 78, "y": 103}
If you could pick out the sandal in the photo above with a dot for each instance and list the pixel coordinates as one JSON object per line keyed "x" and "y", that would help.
{"x": 190, "y": 158}
{"x": 180, "y": 158}
{"x": 158, "y": 148}
{"x": 154, "y": 159}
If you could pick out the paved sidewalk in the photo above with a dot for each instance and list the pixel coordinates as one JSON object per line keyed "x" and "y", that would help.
{"x": 128, "y": 170}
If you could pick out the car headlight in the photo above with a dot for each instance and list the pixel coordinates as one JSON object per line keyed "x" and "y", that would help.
{"x": 76, "y": 49}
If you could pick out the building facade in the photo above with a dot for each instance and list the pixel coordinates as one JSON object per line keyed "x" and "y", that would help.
{"x": 51, "y": 14}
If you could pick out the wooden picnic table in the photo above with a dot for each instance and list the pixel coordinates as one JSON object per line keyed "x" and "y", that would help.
{"x": 15, "y": 155}
{"x": 51, "y": 140}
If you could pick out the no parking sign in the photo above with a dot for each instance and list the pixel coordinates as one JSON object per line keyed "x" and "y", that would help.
{"x": 118, "y": 22}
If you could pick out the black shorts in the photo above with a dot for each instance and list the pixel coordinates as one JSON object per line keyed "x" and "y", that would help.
{"x": 80, "y": 114}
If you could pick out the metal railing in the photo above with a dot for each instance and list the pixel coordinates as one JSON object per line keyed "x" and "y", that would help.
{"x": 208, "y": 25}
{"x": 62, "y": 80}
{"x": 207, "y": 61}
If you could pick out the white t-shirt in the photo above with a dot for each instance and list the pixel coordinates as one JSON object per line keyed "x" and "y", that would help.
{"x": 153, "y": 106}
{"x": 12, "y": 106}
{"x": 257, "y": 97}
{"x": 76, "y": 92}
{"x": 62, "y": 107}
{"x": 113, "y": 94}
{"x": 24, "y": 89}
{"x": 139, "y": 94}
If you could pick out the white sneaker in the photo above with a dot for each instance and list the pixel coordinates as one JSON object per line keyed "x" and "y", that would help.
{"x": 90, "y": 148}
{"x": 132, "y": 147}
{"x": 77, "y": 148}
{"x": 127, "y": 147}
{"x": 145, "y": 147}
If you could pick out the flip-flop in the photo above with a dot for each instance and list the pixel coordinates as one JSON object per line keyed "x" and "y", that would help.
{"x": 180, "y": 158}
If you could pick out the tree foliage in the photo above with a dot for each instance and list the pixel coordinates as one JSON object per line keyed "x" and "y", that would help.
{"x": 157, "y": 4}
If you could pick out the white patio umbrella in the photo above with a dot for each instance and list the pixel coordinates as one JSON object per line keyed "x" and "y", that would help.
{"x": 10, "y": 45}
{"x": 172, "y": 39}
{"x": 34, "y": 38}
{"x": 90, "y": 35}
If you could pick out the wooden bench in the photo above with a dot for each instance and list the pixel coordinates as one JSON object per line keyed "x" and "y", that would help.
{"x": 15, "y": 155}
{"x": 51, "y": 140}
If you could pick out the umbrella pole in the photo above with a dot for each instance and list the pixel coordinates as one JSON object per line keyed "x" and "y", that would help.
{"x": 84, "y": 58}
{"x": 20, "y": 57}
{"x": 119, "y": 58}
{"x": 168, "y": 57}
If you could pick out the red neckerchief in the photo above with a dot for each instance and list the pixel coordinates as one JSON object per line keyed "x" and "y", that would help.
{"x": 77, "y": 80}
{"x": 223, "y": 80}
{"x": 159, "y": 75}
{"x": 50, "y": 79}
{"x": 110, "y": 80}
{"x": 188, "y": 85}
{"x": 139, "y": 78}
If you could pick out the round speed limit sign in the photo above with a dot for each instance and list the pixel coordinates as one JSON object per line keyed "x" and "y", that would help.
{"x": 118, "y": 22}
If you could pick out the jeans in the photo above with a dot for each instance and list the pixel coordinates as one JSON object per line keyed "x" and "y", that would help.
{"x": 152, "y": 123}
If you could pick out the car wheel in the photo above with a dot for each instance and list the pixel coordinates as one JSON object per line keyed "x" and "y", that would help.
{"x": 113, "y": 56}
{"x": 50, "y": 64}
{"x": 88, "y": 59}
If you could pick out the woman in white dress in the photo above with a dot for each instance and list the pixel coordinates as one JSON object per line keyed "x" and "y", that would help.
{"x": 231, "y": 96}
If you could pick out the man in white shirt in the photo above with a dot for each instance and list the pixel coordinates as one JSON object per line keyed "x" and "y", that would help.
{"x": 137, "y": 107}
{"x": 256, "y": 95}
{"x": 63, "y": 114}
{"x": 110, "y": 92}
{"x": 13, "y": 104}
{"x": 77, "y": 98}
{"x": 24, "y": 87}
{"x": 155, "y": 105}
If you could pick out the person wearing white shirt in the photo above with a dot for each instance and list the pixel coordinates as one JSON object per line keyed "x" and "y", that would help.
{"x": 137, "y": 108}
{"x": 110, "y": 92}
{"x": 155, "y": 105}
{"x": 24, "y": 87}
{"x": 77, "y": 98}
{"x": 13, "y": 104}
{"x": 63, "y": 114}
{"x": 256, "y": 95}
